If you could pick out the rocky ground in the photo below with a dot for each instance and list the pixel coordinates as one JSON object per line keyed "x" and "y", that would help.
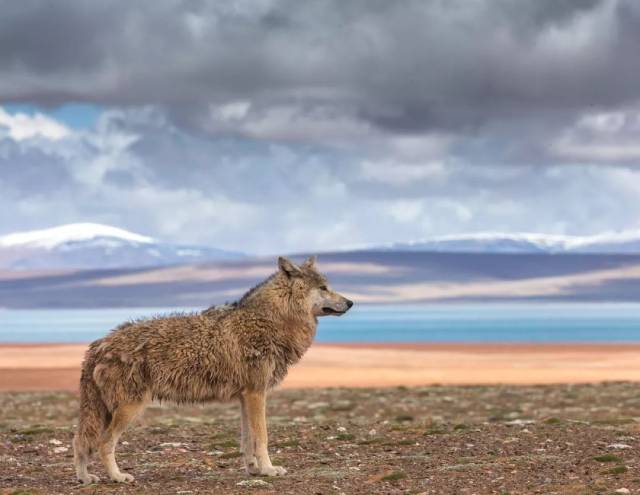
{"x": 564, "y": 439}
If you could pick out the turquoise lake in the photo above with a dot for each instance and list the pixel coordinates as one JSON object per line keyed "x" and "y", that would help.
{"x": 531, "y": 322}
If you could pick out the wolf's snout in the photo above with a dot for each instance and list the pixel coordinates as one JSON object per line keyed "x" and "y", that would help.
{"x": 337, "y": 308}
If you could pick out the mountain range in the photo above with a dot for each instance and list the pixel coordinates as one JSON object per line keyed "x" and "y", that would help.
{"x": 627, "y": 242}
{"x": 91, "y": 246}
{"x": 96, "y": 246}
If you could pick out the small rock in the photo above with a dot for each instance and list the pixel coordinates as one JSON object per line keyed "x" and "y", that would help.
{"x": 619, "y": 446}
{"x": 372, "y": 432}
{"x": 341, "y": 428}
{"x": 54, "y": 441}
{"x": 520, "y": 422}
{"x": 253, "y": 483}
{"x": 622, "y": 490}
{"x": 60, "y": 450}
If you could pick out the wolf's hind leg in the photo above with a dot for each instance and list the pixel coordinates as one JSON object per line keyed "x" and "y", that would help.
{"x": 81, "y": 455}
{"x": 121, "y": 417}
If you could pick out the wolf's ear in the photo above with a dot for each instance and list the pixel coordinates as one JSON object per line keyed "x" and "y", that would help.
{"x": 287, "y": 267}
{"x": 311, "y": 262}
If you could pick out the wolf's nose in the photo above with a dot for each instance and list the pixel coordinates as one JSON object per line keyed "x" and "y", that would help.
{"x": 349, "y": 303}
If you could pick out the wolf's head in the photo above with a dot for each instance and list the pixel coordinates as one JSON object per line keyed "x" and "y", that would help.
{"x": 308, "y": 285}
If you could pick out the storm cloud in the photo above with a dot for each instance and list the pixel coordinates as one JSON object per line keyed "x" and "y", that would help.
{"x": 405, "y": 65}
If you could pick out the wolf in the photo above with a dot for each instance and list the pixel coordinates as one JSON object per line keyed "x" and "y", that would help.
{"x": 237, "y": 351}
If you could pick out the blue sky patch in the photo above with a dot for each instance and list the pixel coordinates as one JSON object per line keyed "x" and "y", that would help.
{"x": 74, "y": 115}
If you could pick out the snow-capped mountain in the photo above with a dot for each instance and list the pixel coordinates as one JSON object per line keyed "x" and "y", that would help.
{"x": 90, "y": 245}
{"x": 627, "y": 242}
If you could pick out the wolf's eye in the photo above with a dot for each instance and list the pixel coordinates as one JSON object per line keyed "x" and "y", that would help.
{"x": 324, "y": 287}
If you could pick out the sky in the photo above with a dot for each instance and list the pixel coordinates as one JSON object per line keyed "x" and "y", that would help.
{"x": 277, "y": 126}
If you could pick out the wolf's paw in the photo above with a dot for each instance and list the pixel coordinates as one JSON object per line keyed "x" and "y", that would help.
{"x": 251, "y": 466}
{"x": 88, "y": 479}
{"x": 122, "y": 478}
{"x": 273, "y": 471}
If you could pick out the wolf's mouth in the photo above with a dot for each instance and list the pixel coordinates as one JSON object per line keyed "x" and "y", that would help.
{"x": 330, "y": 311}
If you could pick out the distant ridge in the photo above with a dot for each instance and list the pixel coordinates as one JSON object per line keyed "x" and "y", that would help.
{"x": 75, "y": 232}
{"x": 92, "y": 245}
{"x": 627, "y": 242}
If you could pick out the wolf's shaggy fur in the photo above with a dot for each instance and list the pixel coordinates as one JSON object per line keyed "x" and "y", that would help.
{"x": 235, "y": 351}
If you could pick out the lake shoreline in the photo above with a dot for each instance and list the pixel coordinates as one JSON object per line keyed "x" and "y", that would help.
{"x": 57, "y": 366}
{"x": 479, "y": 346}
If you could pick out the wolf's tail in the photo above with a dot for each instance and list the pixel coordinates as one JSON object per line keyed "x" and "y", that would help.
{"x": 94, "y": 415}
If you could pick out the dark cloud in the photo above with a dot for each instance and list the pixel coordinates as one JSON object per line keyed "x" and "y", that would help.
{"x": 403, "y": 66}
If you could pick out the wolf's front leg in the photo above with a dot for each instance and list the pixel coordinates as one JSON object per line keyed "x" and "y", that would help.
{"x": 246, "y": 440}
{"x": 256, "y": 454}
